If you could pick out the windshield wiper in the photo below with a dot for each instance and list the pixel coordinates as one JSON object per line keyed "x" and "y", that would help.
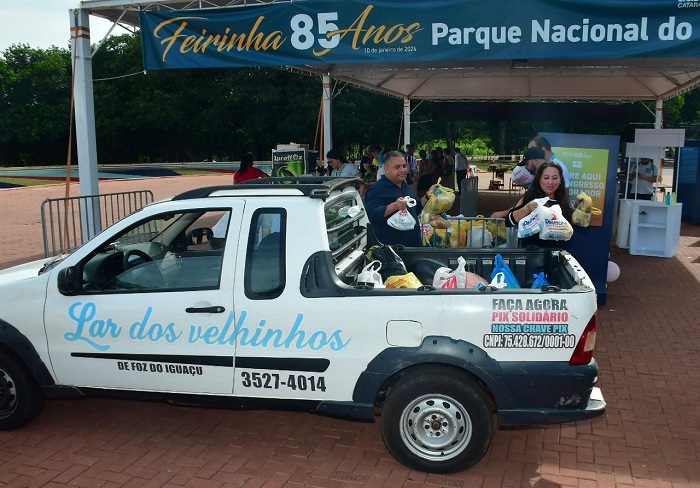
{"x": 52, "y": 264}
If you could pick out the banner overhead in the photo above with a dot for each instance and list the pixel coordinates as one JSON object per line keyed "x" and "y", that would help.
{"x": 311, "y": 32}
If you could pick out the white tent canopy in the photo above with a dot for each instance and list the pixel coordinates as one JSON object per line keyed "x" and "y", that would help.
{"x": 599, "y": 79}
{"x": 556, "y": 79}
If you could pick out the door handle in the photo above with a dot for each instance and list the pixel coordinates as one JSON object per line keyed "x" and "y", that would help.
{"x": 214, "y": 309}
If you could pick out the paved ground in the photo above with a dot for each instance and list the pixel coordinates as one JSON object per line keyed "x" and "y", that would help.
{"x": 649, "y": 437}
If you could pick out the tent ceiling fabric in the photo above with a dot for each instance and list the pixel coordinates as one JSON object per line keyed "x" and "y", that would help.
{"x": 612, "y": 80}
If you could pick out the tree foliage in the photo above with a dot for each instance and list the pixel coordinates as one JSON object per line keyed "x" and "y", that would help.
{"x": 34, "y": 105}
{"x": 204, "y": 114}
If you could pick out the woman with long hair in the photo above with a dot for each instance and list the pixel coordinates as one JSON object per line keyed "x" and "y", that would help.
{"x": 548, "y": 182}
{"x": 246, "y": 171}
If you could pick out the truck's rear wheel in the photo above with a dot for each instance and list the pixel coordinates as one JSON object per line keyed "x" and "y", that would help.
{"x": 21, "y": 399}
{"x": 437, "y": 421}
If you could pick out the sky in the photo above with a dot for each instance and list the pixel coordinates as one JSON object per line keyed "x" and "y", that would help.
{"x": 43, "y": 23}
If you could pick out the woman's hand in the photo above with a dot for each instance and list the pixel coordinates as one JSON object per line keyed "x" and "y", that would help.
{"x": 424, "y": 199}
{"x": 531, "y": 207}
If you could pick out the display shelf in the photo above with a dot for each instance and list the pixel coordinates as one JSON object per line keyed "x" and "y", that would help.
{"x": 655, "y": 229}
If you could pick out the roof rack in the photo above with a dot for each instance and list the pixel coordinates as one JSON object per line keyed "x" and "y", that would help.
{"x": 310, "y": 186}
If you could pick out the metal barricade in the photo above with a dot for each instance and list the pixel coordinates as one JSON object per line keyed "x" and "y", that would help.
{"x": 63, "y": 219}
{"x": 471, "y": 232}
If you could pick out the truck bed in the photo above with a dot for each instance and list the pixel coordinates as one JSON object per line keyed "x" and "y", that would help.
{"x": 523, "y": 262}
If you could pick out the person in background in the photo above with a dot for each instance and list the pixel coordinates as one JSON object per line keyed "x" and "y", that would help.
{"x": 246, "y": 171}
{"x": 524, "y": 173}
{"x": 437, "y": 170}
{"x": 374, "y": 152}
{"x": 548, "y": 182}
{"x": 449, "y": 166}
{"x": 461, "y": 167}
{"x": 412, "y": 163}
{"x": 321, "y": 169}
{"x": 385, "y": 197}
{"x": 369, "y": 175}
{"x": 366, "y": 161}
{"x": 543, "y": 144}
{"x": 341, "y": 167}
{"x": 425, "y": 178}
{"x": 641, "y": 179}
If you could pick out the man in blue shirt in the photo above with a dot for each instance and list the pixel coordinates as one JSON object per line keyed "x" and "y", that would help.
{"x": 386, "y": 197}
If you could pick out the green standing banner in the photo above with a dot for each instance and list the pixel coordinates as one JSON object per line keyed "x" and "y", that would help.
{"x": 311, "y": 32}
{"x": 588, "y": 172}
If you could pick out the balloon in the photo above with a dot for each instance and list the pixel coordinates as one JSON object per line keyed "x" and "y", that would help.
{"x": 613, "y": 272}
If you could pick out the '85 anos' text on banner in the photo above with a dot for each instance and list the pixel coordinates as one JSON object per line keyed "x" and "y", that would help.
{"x": 399, "y": 31}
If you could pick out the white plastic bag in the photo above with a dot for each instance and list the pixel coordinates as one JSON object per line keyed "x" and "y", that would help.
{"x": 403, "y": 220}
{"x": 521, "y": 177}
{"x": 530, "y": 225}
{"x": 448, "y": 278}
{"x": 370, "y": 275}
{"x": 479, "y": 237}
{"x": 499, "y": 280}
{"x": 553, "y": 225}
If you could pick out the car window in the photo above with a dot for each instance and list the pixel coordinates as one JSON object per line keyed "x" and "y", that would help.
{"x": 265, "y": 263}
{"x": 168, "y": 252}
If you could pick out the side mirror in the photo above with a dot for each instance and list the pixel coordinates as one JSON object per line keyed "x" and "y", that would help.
{"x": 69, "y": 281}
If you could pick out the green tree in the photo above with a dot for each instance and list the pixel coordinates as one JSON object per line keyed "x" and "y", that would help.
{"x": 35, "y": 105}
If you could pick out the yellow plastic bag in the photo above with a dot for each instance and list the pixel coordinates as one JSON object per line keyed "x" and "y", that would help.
{"x": 437, "y": 221}
{"x": 437, "y": 230}
{"x": 498, "y": 230}
{"x": 433, "y": 237}
{"x": 584, "y": 210}
{"x": 440, "y": 200}
{"x": 409, "y": 280}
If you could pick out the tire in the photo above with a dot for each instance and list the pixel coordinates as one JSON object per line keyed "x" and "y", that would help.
{"x": 438, "y": 421}
{"x": 21, "y": 399}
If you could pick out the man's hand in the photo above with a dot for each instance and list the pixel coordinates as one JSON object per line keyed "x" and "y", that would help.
{"x": 400, "y": 204}
{"x": 393, "y": 207}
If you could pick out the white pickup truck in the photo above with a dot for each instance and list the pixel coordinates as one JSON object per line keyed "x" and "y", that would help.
{"x": 265, "y": 310}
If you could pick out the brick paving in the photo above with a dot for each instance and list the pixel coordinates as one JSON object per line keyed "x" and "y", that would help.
{"x": 649, "y": 437}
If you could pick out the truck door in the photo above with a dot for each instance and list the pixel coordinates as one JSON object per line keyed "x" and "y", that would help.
{"x": 155, "y": 309}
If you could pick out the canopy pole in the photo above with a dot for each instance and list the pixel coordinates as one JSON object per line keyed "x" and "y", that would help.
{"x": 398, "y": 142}
{"x": 406, "y": 121}
{"x": 321, "y": 150}
{"x": 85, "y": 121}
{"x": 327, "y": 109}
{"x": 659, "y": 120}
{"x": 69, "y": 159}
{"x": 319, "y": 126}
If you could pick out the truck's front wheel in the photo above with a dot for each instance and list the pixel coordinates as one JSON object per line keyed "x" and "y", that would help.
{"x": 21, "y": 399}
{"x": 438, "y": 421}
